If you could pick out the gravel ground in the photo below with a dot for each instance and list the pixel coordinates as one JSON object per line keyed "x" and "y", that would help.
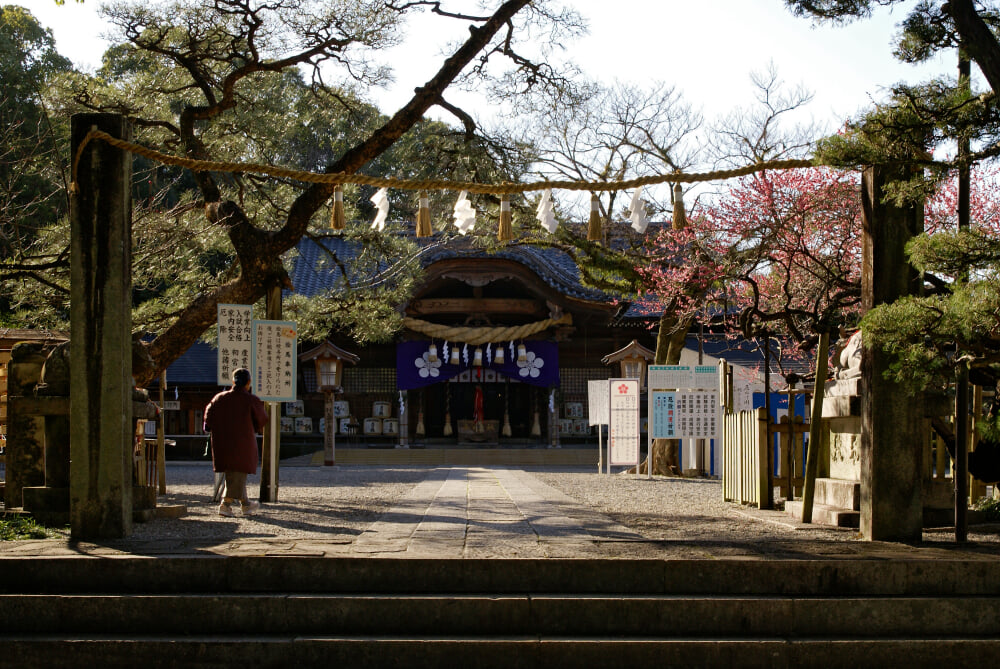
{"x": 684, "y": 517}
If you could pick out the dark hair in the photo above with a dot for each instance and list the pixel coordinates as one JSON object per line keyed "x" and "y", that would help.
{"x": 241, "y": 377}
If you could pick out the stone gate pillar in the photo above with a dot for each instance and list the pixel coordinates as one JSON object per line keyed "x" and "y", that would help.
{"x": 101, "y": 333}
{"x": 891, "y": 419}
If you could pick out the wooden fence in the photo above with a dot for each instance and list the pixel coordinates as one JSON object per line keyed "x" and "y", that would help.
{"x": 748, "y": 436}
{"x": 744, "y": 457}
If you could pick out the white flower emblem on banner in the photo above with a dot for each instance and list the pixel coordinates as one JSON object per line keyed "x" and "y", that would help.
{"x": 427, "y": 368}
{"x": 531, "y": 365}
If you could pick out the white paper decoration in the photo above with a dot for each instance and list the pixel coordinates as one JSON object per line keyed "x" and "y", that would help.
{"x": 381, "y": 202}
{"x": 465, "y": 214}
{"x": 546, "y": 212}
{"x": 638, "y": 212}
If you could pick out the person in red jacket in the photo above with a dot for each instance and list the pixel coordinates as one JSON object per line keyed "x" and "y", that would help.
{"x": 234, "y": 417}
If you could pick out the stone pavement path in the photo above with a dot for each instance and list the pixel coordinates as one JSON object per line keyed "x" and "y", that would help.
{"x": 489, "y": 512}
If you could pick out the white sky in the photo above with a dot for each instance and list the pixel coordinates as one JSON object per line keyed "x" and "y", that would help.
{"x": 705, "y": 48}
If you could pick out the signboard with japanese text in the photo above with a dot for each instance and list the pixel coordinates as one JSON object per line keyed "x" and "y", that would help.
{"x": 235, "y": 326}
{"x": 685, "y": 414}
{"x": 623, "y": 421}
{"x": 274, "y": 358}
{"x": 664, "y": 410}
{"x": 669, "y": 376}
{"x": 704, "y": 377}
{"x": 597, "y": 402}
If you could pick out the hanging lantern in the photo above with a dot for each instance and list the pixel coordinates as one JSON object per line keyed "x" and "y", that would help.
{"x": 477, "y": 357}
{"x": 455, "y": 360}
{"x": 337, "y": 212}
{"x": 499, "y": 359}
{"x": 424, "y": 217}
{"x": 504, "y": 232}
{"x": 432, "y": 353}
{"x": 594, "y": 228}
{"x": 522, "y": 353}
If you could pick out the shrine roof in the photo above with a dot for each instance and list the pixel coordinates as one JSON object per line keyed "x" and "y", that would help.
{"x": 312, "y": 271}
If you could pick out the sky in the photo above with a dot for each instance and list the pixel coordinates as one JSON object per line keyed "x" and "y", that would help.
{"x": 707, "y": 49}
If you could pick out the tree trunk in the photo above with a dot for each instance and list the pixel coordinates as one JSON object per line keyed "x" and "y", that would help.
{"x": 669, "y": 344}
{"x": 977, "y": 39}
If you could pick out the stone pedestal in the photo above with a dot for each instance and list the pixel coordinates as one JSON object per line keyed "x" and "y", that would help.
{"x": 24, "y": 463}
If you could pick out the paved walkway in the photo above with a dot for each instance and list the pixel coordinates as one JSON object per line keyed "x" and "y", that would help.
{"x": 477, "y": 512}
{"x": 456, "y": 512}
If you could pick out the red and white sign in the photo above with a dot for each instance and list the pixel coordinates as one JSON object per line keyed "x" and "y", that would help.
{"x": 623, "y": 421}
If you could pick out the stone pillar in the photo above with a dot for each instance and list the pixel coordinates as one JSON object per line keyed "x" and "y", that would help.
{"x": 101, "y": 339}
{"x": 404, "y": 421}
{"x": 330, "y": 433}
{"x": 25, "y": 432}
{"x": 891, "y": 418}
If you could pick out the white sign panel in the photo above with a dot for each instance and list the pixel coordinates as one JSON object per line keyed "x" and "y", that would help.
{"x": 623, "y": 421}
{"x": 275, "y": 357}
{"x": 235, "y": 324}
{"x": 705, "y": 377}
{"x": 663, "y": 377}
{"x": 597, "y": 402}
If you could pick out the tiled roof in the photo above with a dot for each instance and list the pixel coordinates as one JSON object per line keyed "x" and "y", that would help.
{"x": 198, "y": 366}
{"x": 312, "y": 272}
{"x": 743, "y": 353}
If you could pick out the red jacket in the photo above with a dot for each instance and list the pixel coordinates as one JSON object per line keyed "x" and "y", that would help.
{"x": 234, "y": 418}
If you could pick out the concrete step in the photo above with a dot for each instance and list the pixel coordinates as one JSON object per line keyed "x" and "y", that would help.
{"x": 824, "y": 514}
{"x": 291, "y": 611}
{"x": 302, "y": 574}
{"x": 487, "y": 653}
{"x": 491, "y": 615}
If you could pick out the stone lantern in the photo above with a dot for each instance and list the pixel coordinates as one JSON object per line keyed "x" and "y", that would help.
{"x": 329, "y": 360}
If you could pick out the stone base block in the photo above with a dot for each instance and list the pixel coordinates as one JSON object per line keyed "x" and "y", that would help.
{"x": 840, "y": 407}
{"x": 143, "y": 497}
{"x": 826, "y": 515}
{"x": 171, "y": 511}
{"x": 838, "y": 493}
{"x": 45, "y": 499}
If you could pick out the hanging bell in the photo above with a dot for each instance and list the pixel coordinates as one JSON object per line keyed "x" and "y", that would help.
{"x": 499, "y": 359}
{"x": 455, "y": 359}
{"x": 522, "y": 353}
{"x": 477, "y": 357}
{"x": 432, "y": 353}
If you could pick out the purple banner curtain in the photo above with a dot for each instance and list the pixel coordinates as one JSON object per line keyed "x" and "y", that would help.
{"x": 413, "y": 370}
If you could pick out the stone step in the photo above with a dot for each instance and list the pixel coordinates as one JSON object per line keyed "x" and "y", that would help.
{"x": 306, "y": 574}
{"x": 693, "y": 617}
{"x": 824, "y": 514}
{"x": 838, "y": 493}
{"x": 487, "y": 653}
